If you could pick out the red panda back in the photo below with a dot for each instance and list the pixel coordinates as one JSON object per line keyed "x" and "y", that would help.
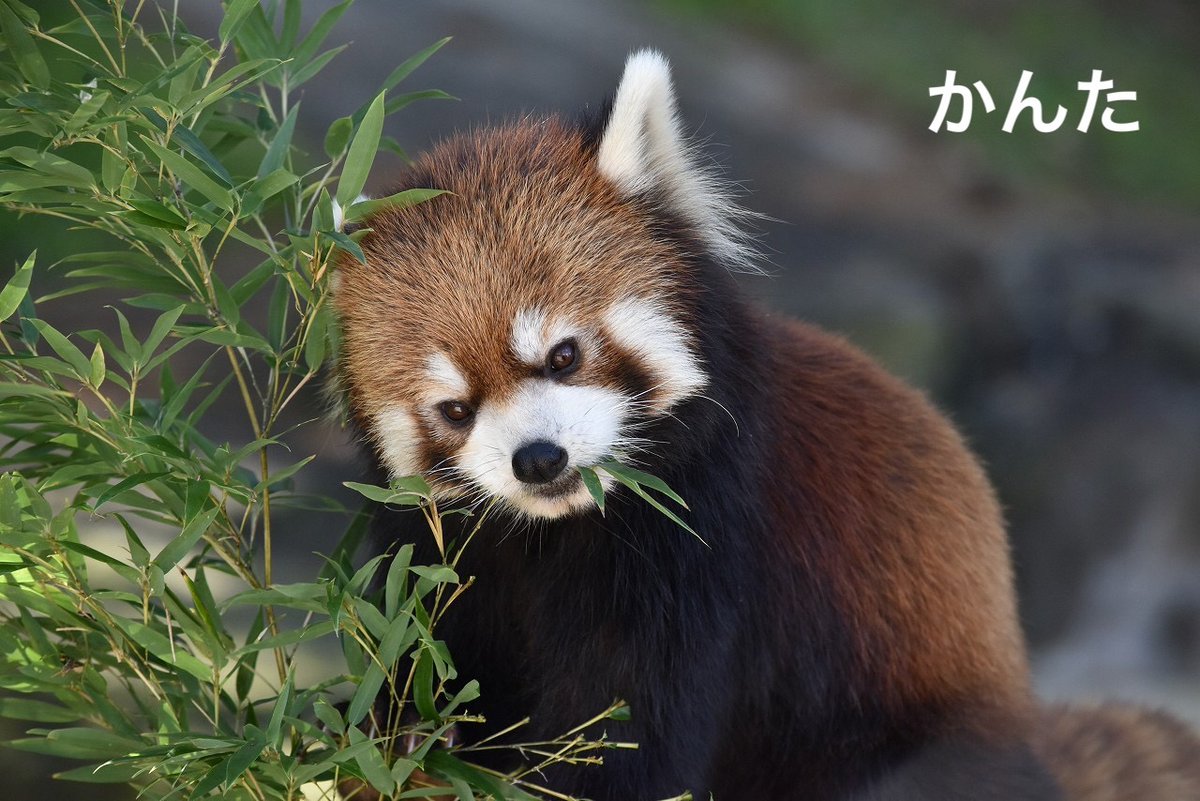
{"x": 915, "y": 534}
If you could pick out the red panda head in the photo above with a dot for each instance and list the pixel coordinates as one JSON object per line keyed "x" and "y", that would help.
{"x": 534, "y": 319}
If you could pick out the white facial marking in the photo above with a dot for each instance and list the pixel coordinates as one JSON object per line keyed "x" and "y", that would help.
{"x": 662, "y": 344}
{"x": 533, "y": 334}
{"x": 528, "y": 335}
{"x": 395, "y": 432}
{"x": 448, "y": 382}
{"x": 584, "y": 421}
{"x": 643, "y": 148}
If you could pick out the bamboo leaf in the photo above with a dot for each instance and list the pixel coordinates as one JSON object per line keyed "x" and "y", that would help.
{"x": 16, "y": 289}
{"x": 405, "y": 69}
{"x": 364, "y": 696}
{"x": 313, "y": 67}
{"x": 40, "y": 711}
{"x": 274, "y": 157}
{"x": 316, "y": 35}
{"x": 361, "y": 155}
{"x": 65, "y": 349}
{"x": 191, "y": 143}
{"x": 24, "y": 50}
{"x": 592, "y": 482}
{"x": 98, "y": 372}
{"x": 236, "y": 12}
{"x": 191, "y": 175}
{"x": 400, "y": 200}
{"x": 156, "y": 214}
{"x": 338, "y": 136}
{"x": 645, "y": 479}
{"x": 191, "y": 533}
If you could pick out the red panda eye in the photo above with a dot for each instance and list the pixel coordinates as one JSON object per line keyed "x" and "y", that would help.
{"x": 456, "y": 411}
{"x": 562, "y": 357}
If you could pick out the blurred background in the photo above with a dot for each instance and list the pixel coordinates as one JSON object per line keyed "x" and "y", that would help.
{"x": 1043, "y": 288}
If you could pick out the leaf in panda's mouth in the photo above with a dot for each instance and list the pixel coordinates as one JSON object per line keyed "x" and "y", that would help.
{"x": 639, "y": 483}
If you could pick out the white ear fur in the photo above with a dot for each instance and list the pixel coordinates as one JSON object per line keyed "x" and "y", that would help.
{"x": 643, "y": 149}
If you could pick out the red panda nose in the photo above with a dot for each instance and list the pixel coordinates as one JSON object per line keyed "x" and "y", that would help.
{"x": 538, "y": 462}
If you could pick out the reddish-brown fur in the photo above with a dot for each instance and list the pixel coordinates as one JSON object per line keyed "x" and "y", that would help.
{"x": 868, "y": 488}
{"x": 901, "y": 493}
{"x": 536, "y": 201}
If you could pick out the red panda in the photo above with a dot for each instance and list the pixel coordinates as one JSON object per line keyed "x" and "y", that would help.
{"x": 847, "y": 628}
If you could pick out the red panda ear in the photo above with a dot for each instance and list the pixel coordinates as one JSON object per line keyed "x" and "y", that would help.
{"x": 643, "y": 149}
{"x": 642, "y": 145}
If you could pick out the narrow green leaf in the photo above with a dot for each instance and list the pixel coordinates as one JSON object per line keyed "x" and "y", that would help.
{"x": 273, "y": 159}
{"x": 13, "y": 389}
{"x": 592, "y": 482}
{"x": 40, "y": 711}
{"x": 162, "y": 327}
{"x": 124, "y": 485}
{"x": 164, "y": 648}
{"x": 191, "y": 175}
{"x": 81, "y": 743}
{"x": 314, "y": 345}
{"x": 65, "y": 349}
{"x": 374, "y": 769}
{"x": 422, "y": 687}
{"x": 316, "y": 35}
{"x": 347, "y": 244}
{"x": 361, "y": 155}
{"x": 410, "y": 491}
{"x": 338, "y": 135}
{"x": 328, "y": 714}
{"x": 104, "y": 773}
{"x": 227, "y": 771}
{"x": 120, "y": 568}
{"x": 396, "y": 582}
{"x": 306, "y": 634}
{"x": 177, "y": 548}
{"x": 156, "y": 214}
{"x": 112, "y": 166}
{"x": 411, "y": 63}
{"x": 16, "y": 289}
{"x": 313, "y": 67}
{"x": 291, "y": 23}
{"x": 616, "y": 469}
{"x": 129, "y": 343}
{"x": 66, "y": 171}
{"x": 191, "y": 143}
{"x": 137, "y": 551}
{"x": 637, "y": 489}
{"x": 248, "y": 662}
{"x": 96, "y": 377}
{"x": 272, "y": 184}
{"x": 273, "y": 735}
{"x": 236, "y": 12}
{"x": 401, "y": 101}
{"x": 400, "y": 200}
{"x": 23, "y": 49}
{"x": 468, "y": 693}
{"x": 364, "y": 696}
